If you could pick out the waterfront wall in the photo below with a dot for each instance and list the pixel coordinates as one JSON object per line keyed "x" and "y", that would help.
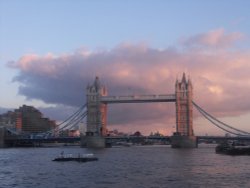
{"x": 2, "y": 137}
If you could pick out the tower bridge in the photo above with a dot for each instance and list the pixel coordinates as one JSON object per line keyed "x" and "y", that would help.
{"x": 95, "y": 110}
{"x": 98, "y": 100}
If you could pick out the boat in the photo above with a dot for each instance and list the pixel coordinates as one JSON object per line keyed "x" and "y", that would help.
{"x": 232, "y": 149}
{"x": 78, "y": 158}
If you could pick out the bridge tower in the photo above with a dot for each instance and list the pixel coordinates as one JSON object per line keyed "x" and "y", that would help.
{"x": 184, "y": 135}
{"x": 184, "y": 107}
{"x": 96, "y": 115}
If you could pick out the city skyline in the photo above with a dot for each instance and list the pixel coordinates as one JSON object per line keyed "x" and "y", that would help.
{"x": 50, "y": 51}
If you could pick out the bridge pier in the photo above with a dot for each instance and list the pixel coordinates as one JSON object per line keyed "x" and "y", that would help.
{"x": 178, "y": 141}
{"x": 93, "y": 141}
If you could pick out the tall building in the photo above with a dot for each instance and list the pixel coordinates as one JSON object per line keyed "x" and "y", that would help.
{"x": 27, "y": 119}
{"x": 19, "y": 121}
{"x": 33, "y": 120}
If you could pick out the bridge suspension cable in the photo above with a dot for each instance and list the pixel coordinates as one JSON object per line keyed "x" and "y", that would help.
{"x": 75, "y": 117}
{"x": 219, "y": 123}
{"x": 77, "y": 121}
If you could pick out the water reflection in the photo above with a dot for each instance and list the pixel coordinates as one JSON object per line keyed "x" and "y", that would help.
{"x": 148, "y": 166}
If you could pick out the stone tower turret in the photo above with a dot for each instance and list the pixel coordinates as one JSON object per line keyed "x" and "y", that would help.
{"x": 184, "y": 107}
{"x": 96, "y": 111}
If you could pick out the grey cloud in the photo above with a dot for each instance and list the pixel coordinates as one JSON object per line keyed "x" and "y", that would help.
{"x": 137, "y": 69}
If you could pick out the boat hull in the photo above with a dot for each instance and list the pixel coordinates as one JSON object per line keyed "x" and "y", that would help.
{"x": 232, "y": 150}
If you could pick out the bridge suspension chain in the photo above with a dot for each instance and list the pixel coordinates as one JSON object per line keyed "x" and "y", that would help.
{"x": 75, "y": 117}
{"x": 77, "y": 121}
{"x": 74, "y": 114}
{"x": 216, "y": 124}
{"x": 72, "y": 120}
{"x": 219, "y": 123}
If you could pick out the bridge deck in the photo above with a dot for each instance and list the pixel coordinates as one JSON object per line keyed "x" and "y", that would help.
{"x": 138, "y": 98}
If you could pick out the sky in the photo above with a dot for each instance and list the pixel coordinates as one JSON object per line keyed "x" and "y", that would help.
{"x": 51, "y": 50}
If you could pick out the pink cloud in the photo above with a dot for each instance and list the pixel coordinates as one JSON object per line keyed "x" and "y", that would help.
{"x": 216, "y": 38}
{"x": 221, "y": 79}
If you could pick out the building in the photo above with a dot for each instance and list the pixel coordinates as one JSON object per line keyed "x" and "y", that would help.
{"x": 27, "y": 119}
{"x": 8, "y": 120}
{"x": 74, "y": 133}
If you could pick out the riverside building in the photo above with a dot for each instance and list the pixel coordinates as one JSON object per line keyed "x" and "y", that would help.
{"x": 27, "y": 119}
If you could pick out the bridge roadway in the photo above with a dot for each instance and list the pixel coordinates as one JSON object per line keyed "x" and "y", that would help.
{"x": 13, "y": 140}
{"x": 138, "y": 98}
{"x": 167, "y": 138}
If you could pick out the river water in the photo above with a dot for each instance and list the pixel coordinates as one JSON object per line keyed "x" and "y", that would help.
{"x": 121, "y": 167}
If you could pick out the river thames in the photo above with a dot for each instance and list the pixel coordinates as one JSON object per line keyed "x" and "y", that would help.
{"x": 133, "y": 167}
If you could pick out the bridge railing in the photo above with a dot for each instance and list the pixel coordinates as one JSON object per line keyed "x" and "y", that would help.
{"x": 138, "y": 97}
{"x": 172, "y": 96}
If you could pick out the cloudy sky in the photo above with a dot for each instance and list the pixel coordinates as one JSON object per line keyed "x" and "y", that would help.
{"x": 51, "y": 50}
